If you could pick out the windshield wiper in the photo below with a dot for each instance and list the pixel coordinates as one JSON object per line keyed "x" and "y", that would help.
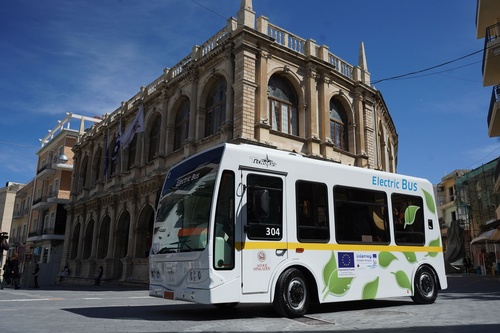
{"x": 183, "y": 242}
{"x": 167, "y": 250}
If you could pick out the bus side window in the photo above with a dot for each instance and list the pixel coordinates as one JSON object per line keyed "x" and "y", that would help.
{"x": 224, "y": 224}
{"x": 408, "y": 219}
{"x": 264, "y": 207}
{"x": 312, "y": 212}
{"x": 360, "y": 216}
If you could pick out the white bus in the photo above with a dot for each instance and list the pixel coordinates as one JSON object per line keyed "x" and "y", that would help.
{"x": 248, "y": 224}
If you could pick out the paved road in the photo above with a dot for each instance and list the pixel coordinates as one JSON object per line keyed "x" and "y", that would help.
{"x": 470, "y": 304}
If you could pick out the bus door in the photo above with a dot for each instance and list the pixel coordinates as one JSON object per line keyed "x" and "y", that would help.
{"x": 264, "y": 237}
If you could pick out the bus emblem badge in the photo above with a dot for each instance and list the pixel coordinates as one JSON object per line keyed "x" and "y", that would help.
{"x": 261, "y": 256}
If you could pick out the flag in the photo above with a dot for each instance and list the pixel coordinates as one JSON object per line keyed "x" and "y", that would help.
{"x": 137, "y": 126}
{"x": 116, "y": 150}
{"x": 346, "y": 259}
{"x": 106, "y": 160}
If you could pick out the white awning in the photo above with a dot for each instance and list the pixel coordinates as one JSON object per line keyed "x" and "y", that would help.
{"x": 490, "y": 236}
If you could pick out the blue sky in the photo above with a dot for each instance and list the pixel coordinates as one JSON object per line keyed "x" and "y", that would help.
{"x": 87, "y": 56}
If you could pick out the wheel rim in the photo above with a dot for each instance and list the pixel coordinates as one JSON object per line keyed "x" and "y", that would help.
{"x": 426, "y": 285}
{"x": 296, "y": 293}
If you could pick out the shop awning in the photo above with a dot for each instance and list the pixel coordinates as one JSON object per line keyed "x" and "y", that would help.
{"x": 490, "y": 236}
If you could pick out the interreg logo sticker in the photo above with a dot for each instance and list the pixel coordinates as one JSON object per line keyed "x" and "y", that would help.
{"x": 263, "y": 161}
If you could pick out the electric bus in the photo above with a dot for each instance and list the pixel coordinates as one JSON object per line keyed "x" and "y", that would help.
{"x": 241, "y": 223}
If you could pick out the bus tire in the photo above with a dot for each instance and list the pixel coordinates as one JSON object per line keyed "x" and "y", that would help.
{"x": 425, "y": 286}
{"x": 291, "y": 298}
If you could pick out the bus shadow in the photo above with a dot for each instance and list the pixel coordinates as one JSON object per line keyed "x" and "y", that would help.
{"x": 199, "y": 312}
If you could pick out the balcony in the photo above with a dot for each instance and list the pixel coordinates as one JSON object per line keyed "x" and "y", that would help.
{"x": 491, "y": 56}
{"x": 45, "y": 172}
{"x": 494, "y": 113}
{"x": 56, "y": 197}
{"x": 40, "y": 203}
{"x": 496, "y": 180}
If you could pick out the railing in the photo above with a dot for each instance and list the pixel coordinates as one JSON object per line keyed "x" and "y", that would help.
{"x": 492, "y": 33}
{"x": 341, "y": 66}
{"x": 497, "y": 171}
{"x": 286, "y": 39}
{"x": 495, "y": 98}
{"x": 298, "y": 45}
{"x": 213, "y": 42}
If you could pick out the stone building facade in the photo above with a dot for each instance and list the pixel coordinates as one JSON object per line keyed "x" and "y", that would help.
{"x": 252, "y": 82}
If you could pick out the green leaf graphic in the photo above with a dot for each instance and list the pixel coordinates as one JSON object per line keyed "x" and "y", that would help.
{"x": 328, "y": 270}
{"x": 402, "y": 280}
{"x": 335, "y": 285}
{"x": 435, "y": 242}
{"x": 410, "y": 213}
{"x": 429, "y": 201}
{"x": 370, "y": 289}
{"x": 385, "y": 258}
{"x": 411, "y": 257}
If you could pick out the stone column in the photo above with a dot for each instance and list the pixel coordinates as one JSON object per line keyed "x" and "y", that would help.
{"x": 244, "y": 90}
{"x": 262, "y": 116}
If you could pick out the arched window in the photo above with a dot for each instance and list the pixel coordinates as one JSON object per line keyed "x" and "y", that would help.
{"x": 216, "y": 107}
{"x": 75, "y": 241}
{"x": 282, "y": 106}
{"x": 181, "y": 125}
{"x": 132, "y": 148}
{"x": 154, "y": 138}
{"x": 103, "y": 238}
{"x": 87, "y": 240}
{"x": 338, "y": 125}
{"x": 83, "y": 173}
{"x": 97, "y": 165}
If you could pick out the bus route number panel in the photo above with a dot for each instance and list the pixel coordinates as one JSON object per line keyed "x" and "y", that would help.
{"x": 264, "y": 231}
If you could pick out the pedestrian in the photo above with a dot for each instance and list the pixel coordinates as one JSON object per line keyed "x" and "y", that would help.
{"x": 65, "y": 272}
{"x": 467, "y": 264}
{"x": 98, "y": 276}
{"x": 15, "y": 271}
{"x": 7, "y": 272}
{"x": 35, "y": 276}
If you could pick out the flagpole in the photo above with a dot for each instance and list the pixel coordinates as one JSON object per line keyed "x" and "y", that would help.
{"x": 142, "y": 149}
{"x": 121, "y": 146}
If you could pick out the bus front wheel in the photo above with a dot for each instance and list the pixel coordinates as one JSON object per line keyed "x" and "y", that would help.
{"x": 425, "y": 286}
{"x": 292, "y": 295}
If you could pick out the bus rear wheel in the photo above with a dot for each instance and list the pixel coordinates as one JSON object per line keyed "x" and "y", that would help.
{"x": 292, "y": 295}
{"x": 425, "y": 286}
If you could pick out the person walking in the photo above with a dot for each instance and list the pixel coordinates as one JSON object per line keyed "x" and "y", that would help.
{"x": 7, "y": 273}
{"x": 15, "y": 271}
{"x": 35, "y": 276}
{"x": 98, "y": 276}
{"x": 467, "y": 264}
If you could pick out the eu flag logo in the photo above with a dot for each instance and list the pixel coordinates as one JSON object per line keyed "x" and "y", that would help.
{"x": 346, "y": 259}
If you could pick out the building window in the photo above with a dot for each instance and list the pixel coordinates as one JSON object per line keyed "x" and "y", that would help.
{"x": 338, "y": 125}
{"x": 83, "y": 173}
{"x": 154, "y": 138}
{"x": 282, "y": 106}
{"x": 216, "y": 108}
{"x": 97, "y": 165}
{"x": 181, "y": 125}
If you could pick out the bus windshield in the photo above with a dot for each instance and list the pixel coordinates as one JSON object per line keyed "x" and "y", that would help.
{"x": 184, "y": 209}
